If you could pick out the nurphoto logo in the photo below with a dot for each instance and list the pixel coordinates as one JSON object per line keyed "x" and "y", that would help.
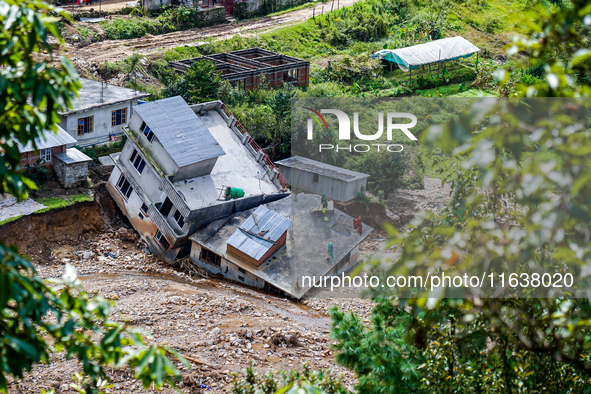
{"x": 344, "y": 132}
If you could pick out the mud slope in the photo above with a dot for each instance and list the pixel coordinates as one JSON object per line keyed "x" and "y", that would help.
{"x": 34, "y": 234}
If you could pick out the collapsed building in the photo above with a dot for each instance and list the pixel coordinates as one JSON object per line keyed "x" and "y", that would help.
{"x": 254, "y": 68}
{"x": 184, "y": 167}
{"x": 192, "y": 181}
{"x": 276, "y": 245}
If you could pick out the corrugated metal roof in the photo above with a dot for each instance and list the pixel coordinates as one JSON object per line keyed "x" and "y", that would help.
{"x": 317, "y": 167}
{"x": 270, "y": 223}
{"x": 48, "y": 139}
{"x": 180, "y": 131}
{"x": 71, "y": 156}
{"x": 432, "y": 52}
{"x": 96, "y": 94}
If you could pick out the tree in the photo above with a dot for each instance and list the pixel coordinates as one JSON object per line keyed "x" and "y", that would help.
{"x": 37, "y": 316}
{"x": 521, "y": 189}
{"x": 198, "y": 84}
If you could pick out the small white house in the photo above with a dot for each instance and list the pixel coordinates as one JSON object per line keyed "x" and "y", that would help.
{"x": 100, "y": 113}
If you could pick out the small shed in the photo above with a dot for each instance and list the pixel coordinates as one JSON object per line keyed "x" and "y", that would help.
{"x": 71, "y": 167}
{"x": 259, "y": 237}
{"x": 316, "y": 177}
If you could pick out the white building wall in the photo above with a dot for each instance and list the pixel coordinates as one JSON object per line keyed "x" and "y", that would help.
{"x": 102, "y": 123}
{"x": 148, "y": 180}
{"x": 131, "y": 208}
{"x": 158, "y": 153}
{"x": 227, "y": 269}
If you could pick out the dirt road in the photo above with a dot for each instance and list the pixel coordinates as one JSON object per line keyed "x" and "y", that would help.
{"x": 113, "y": 50}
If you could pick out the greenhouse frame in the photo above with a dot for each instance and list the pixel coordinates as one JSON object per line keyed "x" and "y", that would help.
{"x": 438, "y": 51}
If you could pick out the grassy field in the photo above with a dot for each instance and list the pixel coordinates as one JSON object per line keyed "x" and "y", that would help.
{"x": 338, "y": 45}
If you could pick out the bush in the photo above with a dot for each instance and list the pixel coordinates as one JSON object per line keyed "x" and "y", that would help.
{"x": 172, "y": 19}
{"x": 37, "y": 173}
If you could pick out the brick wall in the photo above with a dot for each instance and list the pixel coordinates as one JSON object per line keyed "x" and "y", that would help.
{"x": 30, "y": 158}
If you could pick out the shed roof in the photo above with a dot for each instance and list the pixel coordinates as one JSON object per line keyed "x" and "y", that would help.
{"x": 180, "y": 131}
{"x": 270, "y": 223}
{"x": 317, "y": 167}
{"x": 71, "y": 156}
{"x": 436, "y": 51}
{"x": 48, "y": 139}
{"x": 98, "y": 94}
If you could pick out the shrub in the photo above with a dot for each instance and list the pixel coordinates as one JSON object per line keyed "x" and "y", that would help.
{"x": 37, "y": 173}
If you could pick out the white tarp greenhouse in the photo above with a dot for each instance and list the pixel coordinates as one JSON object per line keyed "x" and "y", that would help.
{"x": 436, "y": 51}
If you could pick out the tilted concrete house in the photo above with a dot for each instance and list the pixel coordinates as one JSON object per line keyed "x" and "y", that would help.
{"x": 184, "y": 167}
{"x": 100, "y": 113}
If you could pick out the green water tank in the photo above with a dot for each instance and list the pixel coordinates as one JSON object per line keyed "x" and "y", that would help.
{"x": 234, "y": 192}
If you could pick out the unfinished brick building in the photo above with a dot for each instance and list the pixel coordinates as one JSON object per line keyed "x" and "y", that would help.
{"x": 254, "y": 68}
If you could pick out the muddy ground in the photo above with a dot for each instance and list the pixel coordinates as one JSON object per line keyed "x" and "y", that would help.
{"x": 222, "y": 326}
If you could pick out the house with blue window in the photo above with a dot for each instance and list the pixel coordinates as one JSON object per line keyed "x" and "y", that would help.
{"x": 100, "y": 112}
{"x": 184, "y": 167}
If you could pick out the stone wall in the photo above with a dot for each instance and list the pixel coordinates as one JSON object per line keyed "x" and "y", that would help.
{"x": 71, "y": 175}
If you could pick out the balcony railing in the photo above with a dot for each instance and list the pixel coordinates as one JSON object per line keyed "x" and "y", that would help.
{"x": 253, "y": 144}
{"x": 165, "y": 228}
{"x": 179, "y": 202}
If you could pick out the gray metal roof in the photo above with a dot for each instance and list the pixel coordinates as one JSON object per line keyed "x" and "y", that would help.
{"x": 317, "y": 167}
{"x": 48, "y": 139}
{"x": 96, "y": 94}
{"x": 270, "y": 223}
{"x": 72, "y": 155}
{"x": 180, "y": 131}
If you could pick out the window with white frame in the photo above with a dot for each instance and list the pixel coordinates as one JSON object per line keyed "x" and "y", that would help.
{"x": 45, "y": 155}
{"x": 124, "y": 186}
{"x": 137, "y": 161}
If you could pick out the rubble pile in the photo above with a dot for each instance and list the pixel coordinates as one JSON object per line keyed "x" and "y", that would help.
{"x": 219, "y": 326}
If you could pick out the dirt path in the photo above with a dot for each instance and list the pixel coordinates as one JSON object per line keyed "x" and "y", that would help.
{"x": 114, "y": 50}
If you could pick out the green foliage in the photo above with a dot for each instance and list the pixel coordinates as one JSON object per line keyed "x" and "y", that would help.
{"x": 38, "y": 173}
{"x": 198, "y": 84}
{"x": 37, "y": 317}
{"x": 34, "y": 91}
{"x": 558, "y": 40}
{"x": 104, "y": 149}
{"x": 382, "y": 360}
{"x": 509, "y": 212}
{"x": 172, "y": 19}
{"x": 282, "y": 382}
{"x": 62, "y": 202}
